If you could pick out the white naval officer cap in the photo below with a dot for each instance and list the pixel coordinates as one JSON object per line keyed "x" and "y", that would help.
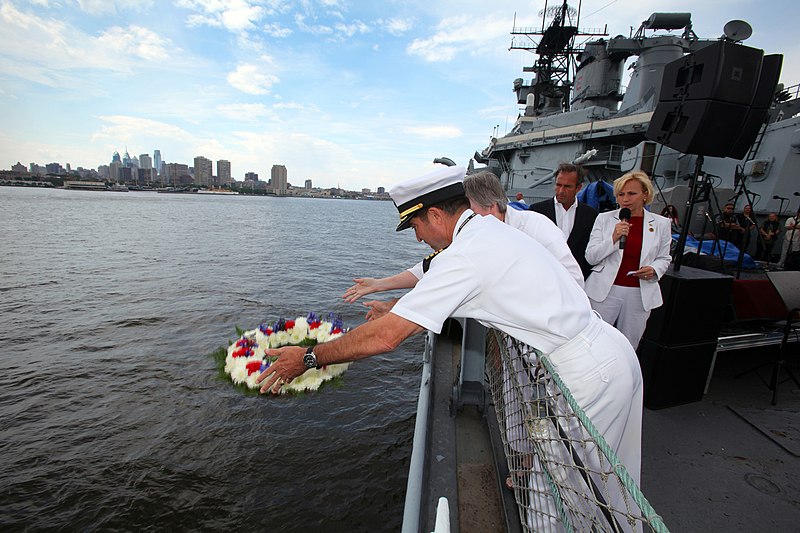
{"x": 413, "y": 195}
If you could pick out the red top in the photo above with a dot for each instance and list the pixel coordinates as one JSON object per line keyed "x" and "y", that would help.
{"x": 631, "y": 254}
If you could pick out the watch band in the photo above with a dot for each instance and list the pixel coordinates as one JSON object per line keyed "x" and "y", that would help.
{"x": 310, "y": 358}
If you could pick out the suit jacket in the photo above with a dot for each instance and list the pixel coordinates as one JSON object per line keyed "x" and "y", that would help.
{"x": 607, "y": 256}
{"x": 579, "y": 236}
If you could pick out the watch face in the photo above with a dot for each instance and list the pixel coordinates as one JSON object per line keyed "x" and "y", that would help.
{"x": 310, "y": 360}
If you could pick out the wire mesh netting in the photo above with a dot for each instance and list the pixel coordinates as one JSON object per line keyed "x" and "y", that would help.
{"x": 564, "y": 475}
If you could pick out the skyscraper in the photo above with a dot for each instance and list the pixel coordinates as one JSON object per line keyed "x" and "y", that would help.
{"x": 224, "y": 172}
{"x": 157, "y": 161}
{"x": 279, "y": 180}
{"x": 202, "y": 171}
{"x": 146, "y": 165}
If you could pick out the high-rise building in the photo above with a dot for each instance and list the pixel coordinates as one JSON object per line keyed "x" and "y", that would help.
{"x": 202, "y": 171}
{"x": 381, "y": 190}
{"x": 279, "y": 180}
{"x": 177, "y": 174}
{"x": 308, "y": 185}
{"x": 250, "y": 176}
{"x": 224, "y": 172}
{"x": 145, "y": 162}
{"x": 157, "y": 161}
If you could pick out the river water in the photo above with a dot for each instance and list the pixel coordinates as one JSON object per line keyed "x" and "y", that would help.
{"x": 112, "y": 414}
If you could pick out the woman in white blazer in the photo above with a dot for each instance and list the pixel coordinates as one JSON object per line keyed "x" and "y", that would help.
{"x": 623, "y": 285}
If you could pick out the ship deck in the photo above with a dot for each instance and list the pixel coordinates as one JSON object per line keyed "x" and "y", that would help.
{"x": 730, "y": 462}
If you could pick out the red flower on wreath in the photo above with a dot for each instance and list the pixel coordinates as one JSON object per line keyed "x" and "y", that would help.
{"x": 253, "y": 366}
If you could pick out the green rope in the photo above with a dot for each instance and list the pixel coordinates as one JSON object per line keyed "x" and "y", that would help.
{"x": 653, "y": 519}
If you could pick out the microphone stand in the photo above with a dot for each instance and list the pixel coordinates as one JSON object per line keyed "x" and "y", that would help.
{"x": 782, "y": 199}
{"x": 679, "y": 248}
{"x": 750, "y": 197}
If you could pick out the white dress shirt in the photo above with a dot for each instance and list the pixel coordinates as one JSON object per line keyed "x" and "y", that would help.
{"x": 565, "y": 218}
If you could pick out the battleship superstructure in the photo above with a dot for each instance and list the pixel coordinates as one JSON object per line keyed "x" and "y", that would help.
{"x": 576, "y": 109}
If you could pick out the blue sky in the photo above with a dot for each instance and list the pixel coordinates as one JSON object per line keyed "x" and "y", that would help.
{"x": 349, "y": 93}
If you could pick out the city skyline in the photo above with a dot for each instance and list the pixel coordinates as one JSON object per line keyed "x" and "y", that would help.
{"x": 356, "y": 94}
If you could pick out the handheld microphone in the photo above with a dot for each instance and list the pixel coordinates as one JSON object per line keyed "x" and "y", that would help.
{"x": 624, "y": 214}
{"x": 796, "y": 194}
{"x": 776, "y": 197}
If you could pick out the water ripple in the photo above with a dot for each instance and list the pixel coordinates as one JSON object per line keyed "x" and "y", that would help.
{"x": 112, "y": 415}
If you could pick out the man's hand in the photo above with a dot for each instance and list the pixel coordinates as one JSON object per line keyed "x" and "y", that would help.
{"x": 362, "y": 287}
{"x": 288, "y": 366}
{"x": 377, "y": 308}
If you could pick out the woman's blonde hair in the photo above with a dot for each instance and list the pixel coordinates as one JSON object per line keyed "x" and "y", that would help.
{"x": 641, "y": 177}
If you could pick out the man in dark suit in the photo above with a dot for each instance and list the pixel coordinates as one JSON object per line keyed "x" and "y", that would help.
{"x": 573, "y": 217}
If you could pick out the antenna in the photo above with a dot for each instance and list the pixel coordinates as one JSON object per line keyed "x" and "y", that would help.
{"x": 737, "y": 30}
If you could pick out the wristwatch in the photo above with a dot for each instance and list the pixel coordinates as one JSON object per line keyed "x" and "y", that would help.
{"x": 310, "y": 358}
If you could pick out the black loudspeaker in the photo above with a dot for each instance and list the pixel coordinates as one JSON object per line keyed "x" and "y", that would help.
{"x": 722, "y": 71}
{"x": 694, "y": 303}
{"x": 757, "y": 114}
{"x": 678, "y": 345}
{"x": 674, "y": 375}
{"x": 748, "y": 131}
{"x": 768, "y": 81}
{"x": 703, "y": 127}
{"x": 714, "y": 101}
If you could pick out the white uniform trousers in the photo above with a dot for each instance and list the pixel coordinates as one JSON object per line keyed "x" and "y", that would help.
{"x": 602, "y": 373}
{"x": 623, "y": 309}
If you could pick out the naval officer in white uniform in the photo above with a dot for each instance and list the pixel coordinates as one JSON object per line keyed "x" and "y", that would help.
{"x": 486, "y": 269}
{"x": 486, "y": 197}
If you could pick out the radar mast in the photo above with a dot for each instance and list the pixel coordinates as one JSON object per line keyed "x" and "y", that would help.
{"x": 555, "y": 67}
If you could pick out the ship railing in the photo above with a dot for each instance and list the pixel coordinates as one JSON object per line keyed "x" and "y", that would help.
{"x": 565, "y": 476}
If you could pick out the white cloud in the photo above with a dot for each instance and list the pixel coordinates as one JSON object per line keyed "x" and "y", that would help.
{"x": 235, "y": 16}
{"x": 251, "y": 79}
{"x": 135, "y": 41}
{"x": 434, "y": 132}
{"x": 58, "y": 50}
{"x": 319, "y": 29}
{"x": 460, "y": 34}
{"x": 111, "y": 7}
{"x": 351, "y": 29}
{"x": 276, "y": 30}
{"x": 396, "y": 26}
{"x": 121, "y": 127}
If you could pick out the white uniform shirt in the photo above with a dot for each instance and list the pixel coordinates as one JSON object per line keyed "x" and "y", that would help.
{"x": 500, "y": 277}
{"x": 543, "y": 231}
{"x": 565, "y": 218}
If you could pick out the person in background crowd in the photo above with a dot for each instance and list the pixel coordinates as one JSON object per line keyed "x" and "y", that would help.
{"x": 729, "y": 228}
{"x": 574, "y": 218}
{"x": 747, "y": 221}
{"x": 671, "y": 213}
{"x": 791, "y": 240}
{"x": 623, "y": 286}
{"x": 769, "y": 231}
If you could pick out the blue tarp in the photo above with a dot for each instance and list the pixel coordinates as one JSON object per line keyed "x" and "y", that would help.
{"x": 519, "y": 206}
{"x": 599, "y": 195}
{"x": 731, "y": 252}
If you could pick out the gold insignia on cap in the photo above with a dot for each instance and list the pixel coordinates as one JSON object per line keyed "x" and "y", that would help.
{"x": 410, "y": 210}
{"x": 651, "y": 229}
